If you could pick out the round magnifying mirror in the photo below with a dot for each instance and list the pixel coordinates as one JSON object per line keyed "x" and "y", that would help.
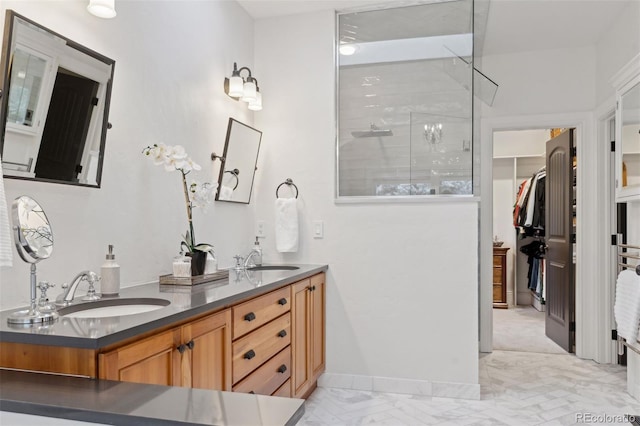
{"x": 34, "y": 239}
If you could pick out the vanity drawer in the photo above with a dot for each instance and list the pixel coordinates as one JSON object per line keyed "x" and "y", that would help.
{"x": 268, "y": 378}
{"x": 284, "y": 390}
{"x": 252, "y": 314}
{"x": 252, "y": 350}
{"x": 497, "y": 260}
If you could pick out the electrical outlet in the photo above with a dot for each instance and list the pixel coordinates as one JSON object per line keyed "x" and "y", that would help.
{"x": 260, "y": 231}
{"x": 318, "y": 229}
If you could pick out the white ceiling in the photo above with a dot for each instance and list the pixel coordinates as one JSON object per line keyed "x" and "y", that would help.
{"x": 511, "y": 25}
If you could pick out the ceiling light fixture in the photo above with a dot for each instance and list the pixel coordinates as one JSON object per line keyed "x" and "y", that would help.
{"x": 244, "y": 89}
{"x": 102, "y": 8}
{"x": 347, "y": 49}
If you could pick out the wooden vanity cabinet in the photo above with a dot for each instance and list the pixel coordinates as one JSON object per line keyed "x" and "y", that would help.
{"x": 272, "y": 344}
{"x": 196, "y": 354}
{"x": 308, "y": 340}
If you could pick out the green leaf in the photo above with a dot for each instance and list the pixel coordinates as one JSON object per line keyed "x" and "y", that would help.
{"x": 203, "y": 247}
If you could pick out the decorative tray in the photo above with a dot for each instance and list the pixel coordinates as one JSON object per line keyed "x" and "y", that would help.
{"x": 195, "y": 280}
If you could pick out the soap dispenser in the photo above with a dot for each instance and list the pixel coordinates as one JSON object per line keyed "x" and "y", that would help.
{"x": 110, "y": 271}
{"x": 257, "y": 257}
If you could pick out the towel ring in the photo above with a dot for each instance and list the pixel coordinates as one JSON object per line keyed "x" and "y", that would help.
{"x": 235, "y": 173}
{"x": 288, "y": 182}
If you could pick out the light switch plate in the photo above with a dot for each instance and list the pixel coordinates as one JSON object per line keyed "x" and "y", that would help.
{"x": 318, "y": 229}
{"x": 260, "y": 231}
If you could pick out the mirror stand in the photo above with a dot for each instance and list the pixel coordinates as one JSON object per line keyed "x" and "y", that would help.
{"x": 34, "y": 242}
{"x": 33, "y": 315}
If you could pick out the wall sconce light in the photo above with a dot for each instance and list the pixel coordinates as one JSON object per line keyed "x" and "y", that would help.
{"x": 102, "y": 8}
{"x": 246, "y": 90}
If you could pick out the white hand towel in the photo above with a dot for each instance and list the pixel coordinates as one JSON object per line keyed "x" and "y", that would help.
{"x": 286, "y": 225}
{"x": 226, "y": 193}
{"x": 627, "y": 305}
{"x": 6, "y": 252}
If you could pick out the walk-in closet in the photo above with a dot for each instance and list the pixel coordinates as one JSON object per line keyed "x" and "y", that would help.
{"x": 522, "y": 237}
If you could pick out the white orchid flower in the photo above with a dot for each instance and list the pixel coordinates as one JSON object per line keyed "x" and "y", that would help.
{"x": 196, "y": 195}
{"x": 193, "y": 164}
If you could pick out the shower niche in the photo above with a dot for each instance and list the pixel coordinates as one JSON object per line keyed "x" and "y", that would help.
{"x": 404, "y": 102}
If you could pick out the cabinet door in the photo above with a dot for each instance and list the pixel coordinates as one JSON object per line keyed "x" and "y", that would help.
{"x": 317, "y": 313}
{"x": 308, "y": 344}
{"x": 153, "y": 360}
{"x": 206, "y": 359}
{"x": 301, "y": 336}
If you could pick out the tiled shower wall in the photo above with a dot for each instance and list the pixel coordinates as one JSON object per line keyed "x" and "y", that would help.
{"x": 403, "y": 97}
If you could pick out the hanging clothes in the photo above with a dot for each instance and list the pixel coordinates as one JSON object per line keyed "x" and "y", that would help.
{"x": 528, "y": 212}
{"x": 535, "y": 252}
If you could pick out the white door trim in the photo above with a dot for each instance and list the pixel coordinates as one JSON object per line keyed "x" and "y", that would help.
{"x": 592, "y": 241}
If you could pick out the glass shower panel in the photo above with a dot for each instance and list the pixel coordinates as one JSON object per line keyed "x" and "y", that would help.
{"x": 404, "y": 122}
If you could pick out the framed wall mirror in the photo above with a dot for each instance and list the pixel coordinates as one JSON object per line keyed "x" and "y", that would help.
{"x": 240, "y": 157}
{"x": 628, "y": 135}
{"x": 54, "y": 107}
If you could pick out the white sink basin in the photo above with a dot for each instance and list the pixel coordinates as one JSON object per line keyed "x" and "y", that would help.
{"x": 113, "y": 308}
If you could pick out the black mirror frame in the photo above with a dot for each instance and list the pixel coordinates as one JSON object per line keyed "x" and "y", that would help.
{"x": 5, "y": 76}
{"x": 225, "y": 157}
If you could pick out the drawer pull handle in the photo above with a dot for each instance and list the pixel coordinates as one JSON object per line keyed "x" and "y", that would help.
{"x": 282, "y": 333}
{"x": 282, "y": 368}
{"x": 252, "y": 392}
{"x": 250, "y": 316}
{"x": 191, "y": 344}
{"x": 249, "y": 354}
{"x": 282, "y": 301}
{"x": 181, "y": 348}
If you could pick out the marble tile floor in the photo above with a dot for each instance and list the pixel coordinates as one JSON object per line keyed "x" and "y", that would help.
{"x": 518, "y": 388}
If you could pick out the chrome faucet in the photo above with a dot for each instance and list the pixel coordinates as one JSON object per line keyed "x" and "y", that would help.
{"x": 70, "y": 290}
{"x": 248, "y": 262}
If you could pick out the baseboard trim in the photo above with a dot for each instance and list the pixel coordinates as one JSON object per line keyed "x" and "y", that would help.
{"x": 395, "y": 385}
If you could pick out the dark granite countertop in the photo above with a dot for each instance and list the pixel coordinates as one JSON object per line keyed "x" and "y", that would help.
{"x": 121, "y": 403}
{"x": 186, "y": 302}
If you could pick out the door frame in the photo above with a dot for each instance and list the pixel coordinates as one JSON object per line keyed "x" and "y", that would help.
{"x": 592, "y": 248}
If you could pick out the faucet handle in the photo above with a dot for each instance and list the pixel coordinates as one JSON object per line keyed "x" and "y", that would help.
{"x": 238, "y": 259}
{"x": 45, "y": 285}
{"x": 91, "y": 278}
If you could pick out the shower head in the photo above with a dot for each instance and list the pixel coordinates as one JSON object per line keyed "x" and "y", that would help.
{"x": 373, "y": 132}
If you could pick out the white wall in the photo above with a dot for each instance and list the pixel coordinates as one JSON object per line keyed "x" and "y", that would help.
{"x": 168, "y": 87}
{"x": 542, "y": 89}
{"x": 402, "y": 279}
{"x": 616, "y": 47}
{"x": 542, "y": 82}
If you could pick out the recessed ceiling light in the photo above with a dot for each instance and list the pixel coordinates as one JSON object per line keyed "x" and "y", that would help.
{"x": 348, "y": 49}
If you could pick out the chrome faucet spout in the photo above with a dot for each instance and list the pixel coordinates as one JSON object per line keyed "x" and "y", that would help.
{"x": 91, "y": 277}
{"x": 248, "y": 262}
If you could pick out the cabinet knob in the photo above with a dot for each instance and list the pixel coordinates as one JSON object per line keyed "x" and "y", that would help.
{"x": 181, "y": 348}
{"x": 282, "y": 301}
{"x": 191, "y": 344}
{"x": 282, "y": 368}
{"x": 252, "y": 392}
{"x": 250, "y": 354}
{"x": 282, "y": 333}
{"x": 250, "y": 316}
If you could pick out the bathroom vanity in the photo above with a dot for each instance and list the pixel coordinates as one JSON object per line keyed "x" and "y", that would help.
{"x": 260, "y": 332}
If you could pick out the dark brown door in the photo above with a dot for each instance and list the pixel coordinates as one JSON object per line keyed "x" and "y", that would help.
{"x": 65, "y": 131}
{"x": 560, "y": 292}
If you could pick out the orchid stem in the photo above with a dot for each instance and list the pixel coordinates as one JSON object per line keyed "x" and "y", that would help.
{"x": 188, "y": 204}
